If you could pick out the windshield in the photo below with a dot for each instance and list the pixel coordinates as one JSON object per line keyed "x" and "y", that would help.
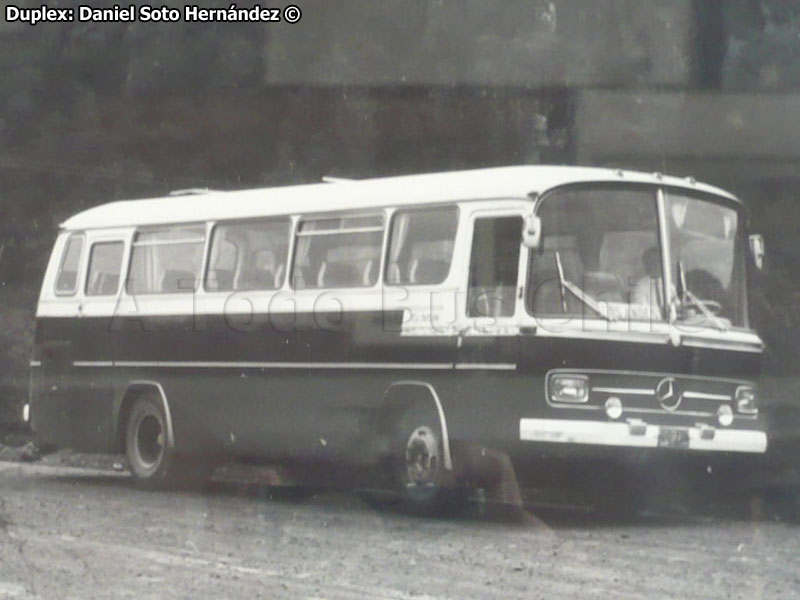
{"x": 599, "y": 256}
{"x": 707, "y": 262}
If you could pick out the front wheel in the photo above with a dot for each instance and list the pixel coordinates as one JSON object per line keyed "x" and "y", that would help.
{"x": 424, "y": 484}
{"x": 151, "y": 460}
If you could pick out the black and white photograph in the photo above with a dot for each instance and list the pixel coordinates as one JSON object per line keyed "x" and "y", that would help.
{"x": 400, "y": 299}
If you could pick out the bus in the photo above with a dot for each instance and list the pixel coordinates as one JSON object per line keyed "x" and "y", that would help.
{"x": 391, "y": 324}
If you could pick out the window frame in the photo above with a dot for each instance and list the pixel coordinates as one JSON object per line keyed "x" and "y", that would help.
{"x": 654, "y": 190}
{"x": 520, "y": 264}
{"x": 146, "y": 228}
{"x": 419, "y": 209}
{"x": 660, "y": 191}
{"x": 297, "y": 234}
{"x": 740, "y": 279}
{"x": 76, "y": 286}
{"x": 291, "y": 224}
{"x": 92, "y": 246}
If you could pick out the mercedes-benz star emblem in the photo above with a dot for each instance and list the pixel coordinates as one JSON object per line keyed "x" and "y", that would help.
{"x": 667, "y": 396}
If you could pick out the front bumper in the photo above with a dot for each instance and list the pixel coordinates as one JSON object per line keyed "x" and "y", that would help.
{"x": 639, "y": 435}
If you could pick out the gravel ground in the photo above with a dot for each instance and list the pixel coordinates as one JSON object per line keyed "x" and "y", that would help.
{"x": 69, "y": 532}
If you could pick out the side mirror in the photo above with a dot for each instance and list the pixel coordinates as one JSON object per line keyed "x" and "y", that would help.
{"x": 757, "y": 249}
{"x": 532, "y": 231}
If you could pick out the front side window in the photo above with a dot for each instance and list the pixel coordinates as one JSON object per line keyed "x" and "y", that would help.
{"x": 421, "y": 246}
{"x": 707, "y": 260}
{"x": 335, "y": 252}
{"x": 166, "y": 260}
{"x": 249, "y": 256}
{"x": 599, "y": 256}
{"x": 105, "y": 264}
{"x": 67, "y": 277}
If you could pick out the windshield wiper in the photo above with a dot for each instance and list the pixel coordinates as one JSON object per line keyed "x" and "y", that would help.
{"x": 585, "y": 298}
{"x": 685, "y": 293}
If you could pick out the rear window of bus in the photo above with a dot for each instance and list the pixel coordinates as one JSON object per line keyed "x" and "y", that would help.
{"x": 67, "y": 277}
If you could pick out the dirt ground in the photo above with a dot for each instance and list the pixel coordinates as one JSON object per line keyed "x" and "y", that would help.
{"x": 68, "y": 532}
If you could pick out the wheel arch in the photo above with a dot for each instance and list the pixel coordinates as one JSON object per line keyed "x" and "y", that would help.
{"x": 399, "y": 394}
{"x": 133, "y": 391}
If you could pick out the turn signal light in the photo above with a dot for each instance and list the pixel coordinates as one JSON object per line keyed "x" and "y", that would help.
{"x": 746, "y": 400}
{"x": 569, "y": 388}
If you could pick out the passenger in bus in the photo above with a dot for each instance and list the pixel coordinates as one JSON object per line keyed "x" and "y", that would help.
{"x": 649, "y": 289}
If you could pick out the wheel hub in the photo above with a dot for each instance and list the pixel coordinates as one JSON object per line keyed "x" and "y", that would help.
{"x": 149, "y": 440}
{"x": 422, "y": 457}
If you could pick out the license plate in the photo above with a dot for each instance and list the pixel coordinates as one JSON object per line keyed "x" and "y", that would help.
{"x": 673, "y": 438}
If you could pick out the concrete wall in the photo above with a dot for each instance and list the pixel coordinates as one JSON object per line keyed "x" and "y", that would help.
{"x": 702, "y": 134}
{"x": 532, "y": 43}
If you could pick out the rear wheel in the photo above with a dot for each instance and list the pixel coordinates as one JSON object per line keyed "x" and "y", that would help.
{"x": 151, "y": 460}
{"x": 424, "y": 484}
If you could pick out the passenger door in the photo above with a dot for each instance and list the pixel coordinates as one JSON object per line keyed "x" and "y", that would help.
{"x": 493, "y": 291}
{"x": 488, "y": 348}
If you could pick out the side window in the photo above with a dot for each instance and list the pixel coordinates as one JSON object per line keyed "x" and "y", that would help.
{"x": 421, "y": 246}
{"x": 105, "y": 264}
{"x": 338, "y": 252}
{"x": 166, "y": 260}
{"x": 248, "y": 256}
{"x": 494, "y": 266}
{"x": 67, "y": 278}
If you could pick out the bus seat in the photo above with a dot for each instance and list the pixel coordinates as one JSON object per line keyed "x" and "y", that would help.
{"x": 570, "y": 261}
{"x": 258, "y": 279}
{"x": 176, "y": 281}
{"x": 546, "y": 296}
{"x": 222, "y": 280}
{"x": 367, "y": 280}
{"x": 393, "y": 274}
{"x": 278, "y": 279}
{"x": 338, "y": 274}
{"x": 66, "y": 280}
{"x": 108, "y": 284}
{"x": 602, "y": 286}
{"x": 428, "y": 270}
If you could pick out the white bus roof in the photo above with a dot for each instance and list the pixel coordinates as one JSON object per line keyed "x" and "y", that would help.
{"x": 406, "y": 190}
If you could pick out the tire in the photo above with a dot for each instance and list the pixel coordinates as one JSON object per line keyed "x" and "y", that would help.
{"x": 151, "y": 462}
{"x": 424, "y": 485}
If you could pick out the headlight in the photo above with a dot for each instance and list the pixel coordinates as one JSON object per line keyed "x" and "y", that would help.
{"x": 746, "y": 400}
{"x": 569, "y": 388}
